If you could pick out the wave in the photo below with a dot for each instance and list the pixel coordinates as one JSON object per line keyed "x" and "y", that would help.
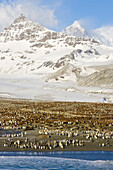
{"x": 42, "y": 157}
{"x": 55, "y": 158}
{"x": 44, "y": 162}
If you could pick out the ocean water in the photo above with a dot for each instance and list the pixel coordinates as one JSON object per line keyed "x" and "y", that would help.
{"x": 97, "y": 160}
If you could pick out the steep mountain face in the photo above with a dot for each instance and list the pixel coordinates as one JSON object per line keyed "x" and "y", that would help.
{"x": 76, "y": 30}
{"x": 56, "y": 60}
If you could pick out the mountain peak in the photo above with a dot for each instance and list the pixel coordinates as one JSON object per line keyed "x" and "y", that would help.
{"x": 77, "y": 30}
{"x": 21, "y": 29}
{"x": 21, "y": 18}
{"x": 77, "y": 24}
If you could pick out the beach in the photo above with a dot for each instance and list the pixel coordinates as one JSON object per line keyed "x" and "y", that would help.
{"x": 55, "y": 126}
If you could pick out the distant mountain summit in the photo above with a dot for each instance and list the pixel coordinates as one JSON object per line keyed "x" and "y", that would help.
{"x": 76, "y": 29}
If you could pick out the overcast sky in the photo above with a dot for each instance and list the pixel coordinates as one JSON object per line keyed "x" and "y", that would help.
{"x": 58, "y": 14}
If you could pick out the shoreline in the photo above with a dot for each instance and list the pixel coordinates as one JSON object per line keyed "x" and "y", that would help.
{"x": 56, "y": 150}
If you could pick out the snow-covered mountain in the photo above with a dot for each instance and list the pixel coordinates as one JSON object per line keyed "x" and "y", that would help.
{"x": 104, "y": 34}
{"x": 28, "y": 47}
{"x": 76, "y": 29}
{"x": 39, "y": 63}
